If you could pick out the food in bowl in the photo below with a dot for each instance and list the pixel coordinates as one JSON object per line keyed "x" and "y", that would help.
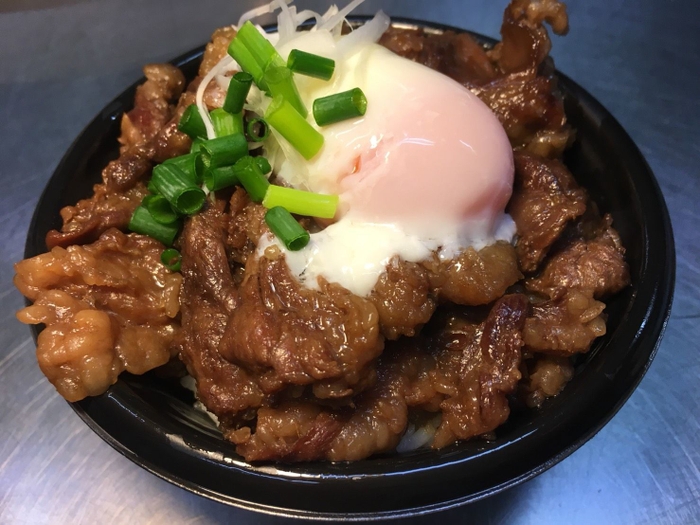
{"x": 460, "y": 269}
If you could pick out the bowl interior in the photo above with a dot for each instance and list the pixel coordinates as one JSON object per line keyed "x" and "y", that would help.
{"x": 152, "y": 420}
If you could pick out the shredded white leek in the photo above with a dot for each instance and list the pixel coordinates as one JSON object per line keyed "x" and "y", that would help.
{"x": 306, "y": 14}
{"x": 222, "y": 66}
{"x": 370, "y": 32}
{"x": 340, "y": 16}
{"x": 259, "y": 11}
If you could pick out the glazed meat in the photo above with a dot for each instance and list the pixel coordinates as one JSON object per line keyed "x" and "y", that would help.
{"x": 439, "y": 350}
{"x": 466, "y": 370}
{"x": 545, "y": 199}
{"x": 108, "y": 307}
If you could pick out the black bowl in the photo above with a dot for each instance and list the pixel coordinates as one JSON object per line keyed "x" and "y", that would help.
{"x": 152, "y": 422}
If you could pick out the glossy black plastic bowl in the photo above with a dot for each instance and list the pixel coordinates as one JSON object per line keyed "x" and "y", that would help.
{"x": 152, "y": 421}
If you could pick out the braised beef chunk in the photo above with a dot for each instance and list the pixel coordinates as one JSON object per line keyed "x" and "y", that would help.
{"x": 566, "y": 324}
{"x": 309, "y": 371}
{"x": 152, "y": 105}
{"x": 595, "y": 265}
{"x": 108, "y": 306}
{"x": 488, "y": 370}
{"x": 303, "y": 335}
{"x": 85, "y": 222}
{"x": 545, "y": 199}
{"x": 466, "y": 369}
{"x": 208, "y": 299}
{"x": 149, "y": 134}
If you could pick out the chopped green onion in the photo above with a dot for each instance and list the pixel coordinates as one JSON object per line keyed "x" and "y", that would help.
{"x": 237, "y": 92}
{"x": 253, "y": 53}
{"x": 286, "y": 227}
{"x": 263, "y": 164}
{"x": 341, "y": 106}
{"x": 171, "y": 259}
{"x": 190, "y": 164}
{"x": 191, "y": 123}
{"x": 180, "y": 190}
{"x": 196, "y": 145}
{"x": 219, "y": 178}
{"x": 280, "y": 82}
{"x": 225, "y": 123}
{"x": 301, "y": 202}
{"x": 152, "y": 189}
{"x": 292, "y": 126}
{"x": 310, "y": 65}
{"x": 251, "y": 178}
{"x": 247, "y": 61}
{"x": 160, "y": 209}
{"x": 257, "y": 129}
{"x": 142, "y": 222}
{"x": 224, "y": 151}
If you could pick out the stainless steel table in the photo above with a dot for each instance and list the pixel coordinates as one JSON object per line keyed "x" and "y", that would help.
{"x": 62, "y": 60}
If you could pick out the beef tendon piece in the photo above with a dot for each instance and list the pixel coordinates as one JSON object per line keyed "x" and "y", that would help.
{"x": 216, "y": 49}
{"x": 475, "y": 277}
{"x": 294, "y": 432}
{"x": 545, "y": 199}
{"x": 544, "y": 376}
{"x": 403, "y": 298}
{"x": 304, "y": 335}
{"x": 108, "y": 307}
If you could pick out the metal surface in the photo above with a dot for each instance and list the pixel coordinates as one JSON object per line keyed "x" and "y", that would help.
{"x": 61, "y": 61}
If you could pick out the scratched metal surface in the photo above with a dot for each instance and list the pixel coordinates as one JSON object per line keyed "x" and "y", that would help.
{"x": 61, "y": 60}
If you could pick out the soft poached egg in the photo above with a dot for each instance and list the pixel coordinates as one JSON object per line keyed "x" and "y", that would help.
{"x": 428, "y": 168}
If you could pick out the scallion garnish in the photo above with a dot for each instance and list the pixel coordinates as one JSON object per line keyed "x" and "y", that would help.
{"x": 142, "y": 222}
{"x": 253, "y": 53}
{"x": 190, "y": 164}
{"x": 310, "y": 65}
{"x": 237, "y": 92}
{"x": 171, "y": 259}
{"x": 280, "y": 83}
{"x": 286, "y": 228}
{"x": 191, "y": 123}
{"x": 263, "y": 164}
{"x": 257, "y": 129}
{"x": 292, "y": 126}
{"x": 180, "y": 190}
{"x": 251, "y": 178}
{"x": 219, "y": 178}
{"x": 341, "y": 106}
{"x": 196, "y": 145}
{"x": 225, "y": 123}
{"x": 224, "y": 151}
{"x": 160, "y": 209}
{"x": 247, "y": 61}
{"x": 151, "y": 188}
{"x": 301, "y": 202}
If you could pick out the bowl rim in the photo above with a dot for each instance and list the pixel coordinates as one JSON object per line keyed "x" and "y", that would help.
{"x": 153, "y": 448}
